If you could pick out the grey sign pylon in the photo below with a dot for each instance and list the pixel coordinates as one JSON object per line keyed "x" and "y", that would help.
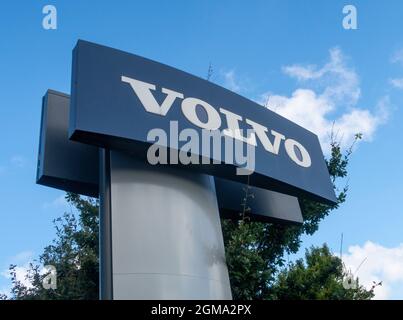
{"x": 160, "y": 234}
{"x": 166, "y": 240}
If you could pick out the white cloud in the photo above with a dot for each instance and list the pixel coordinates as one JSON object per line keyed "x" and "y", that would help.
{"x": 230, "y": 81}
{"x": 22, "y": 257}
{"x": 325, "y": 102}
{"x": 5, "y": 291}
{"x": 340, "y": 82}
{"x": 59, "y": 202}
{"x": 380, "y": 264}
{"x": 22, "y": 261}
{"x": 329, "y": 102}
{"x": 21, "y": 273}
{"x": 397, "y": 57}
{"x": 18, "y": 161}
{"x": 397, "y": 83}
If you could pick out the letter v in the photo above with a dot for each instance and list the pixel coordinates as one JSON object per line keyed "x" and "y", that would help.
{"x": 143, "y": 92}
{"x": 261, "y": 134}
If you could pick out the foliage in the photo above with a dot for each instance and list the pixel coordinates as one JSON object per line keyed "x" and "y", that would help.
{"x": 255, "y": 251}
{"x": 319, "y": 277}
{"x": 255, "y": 254}
{"x": 74, "y": 254}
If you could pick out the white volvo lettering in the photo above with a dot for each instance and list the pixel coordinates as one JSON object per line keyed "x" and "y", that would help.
{"x": 189, "y": 106}
{"x": 261, "y": 133}
{"x": 290, "y": 145}
{"x": 143, "y": 92}
{"x": 189, "y": 111}
{"x": 233, "y": 130}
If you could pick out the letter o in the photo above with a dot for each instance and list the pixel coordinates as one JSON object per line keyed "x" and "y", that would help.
{"x": 189, "y": 111}
{"x": 290, "y": 145}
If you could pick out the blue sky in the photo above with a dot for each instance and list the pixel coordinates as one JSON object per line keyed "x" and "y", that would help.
{"x": 295, "y": 52}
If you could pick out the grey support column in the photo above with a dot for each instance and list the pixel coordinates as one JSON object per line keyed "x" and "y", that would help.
{"x": 105, "y": 227}
{"x": 166, "y": 234}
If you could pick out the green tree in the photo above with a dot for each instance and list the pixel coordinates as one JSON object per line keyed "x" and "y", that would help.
{"x": 254, "y": 251}
{"x": 74, "y": 254}
{"x": 319, "y": 277}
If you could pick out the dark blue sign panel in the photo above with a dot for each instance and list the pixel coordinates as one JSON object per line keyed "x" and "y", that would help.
{"x": 62, "y": 163}
{"x": 74, "y": 167}
{"x": 120, "y": 100}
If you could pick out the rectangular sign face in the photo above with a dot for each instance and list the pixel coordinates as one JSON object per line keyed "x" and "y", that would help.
{"x": 119, "y": 100}
{"x": 74, "y": 167}
{"x": 62, "y": 163}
